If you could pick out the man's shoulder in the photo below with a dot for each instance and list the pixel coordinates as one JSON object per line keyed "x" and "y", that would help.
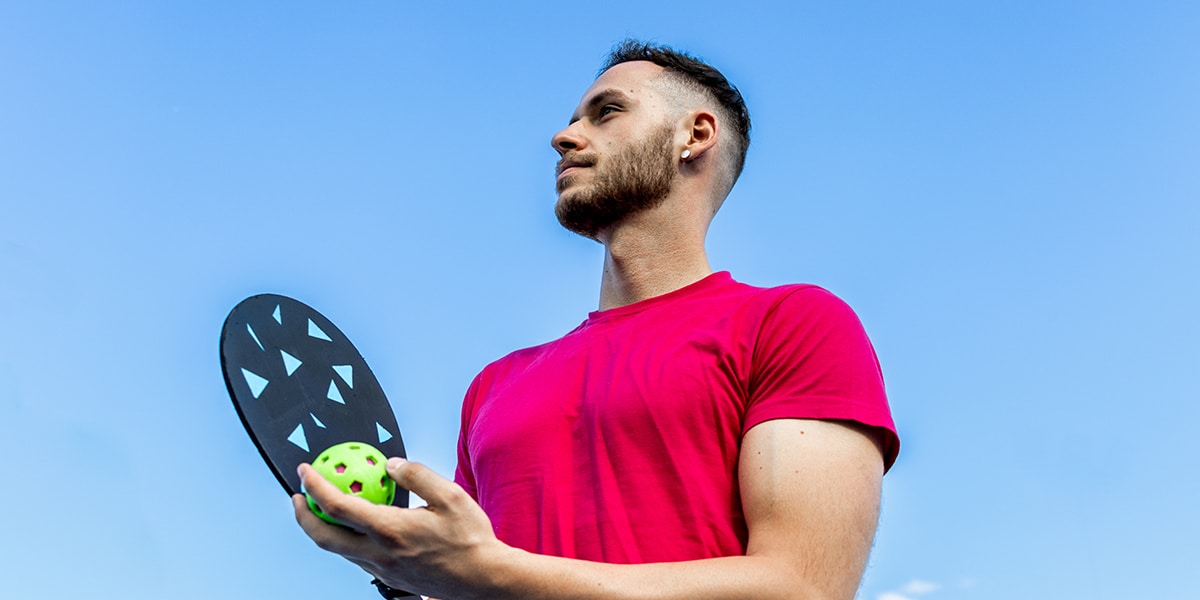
{"x": 804, "y": 297}
{"x": 521, "y": 359}
{"x": 517, "y": 358}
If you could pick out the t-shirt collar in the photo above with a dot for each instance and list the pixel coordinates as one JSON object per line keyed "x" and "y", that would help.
{"x": 711, "y": 281}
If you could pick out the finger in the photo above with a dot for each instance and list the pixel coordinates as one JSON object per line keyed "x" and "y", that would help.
{"x": 332, "y": 538}
{"x": 351, "y": 511}
{"x": 437, "y": 491}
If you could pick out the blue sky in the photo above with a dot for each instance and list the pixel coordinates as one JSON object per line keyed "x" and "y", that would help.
{"x": 1007, "y": 194}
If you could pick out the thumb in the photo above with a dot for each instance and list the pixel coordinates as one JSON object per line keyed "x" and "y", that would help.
{"x": 436, "y": 490}
{"x": 394, "y": 465}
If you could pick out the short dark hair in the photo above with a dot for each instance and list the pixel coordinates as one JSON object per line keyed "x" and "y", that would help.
{"x": 699, "y": 73}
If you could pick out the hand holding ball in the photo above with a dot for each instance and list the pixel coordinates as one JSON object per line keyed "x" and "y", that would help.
{"x": 357, "y": 469}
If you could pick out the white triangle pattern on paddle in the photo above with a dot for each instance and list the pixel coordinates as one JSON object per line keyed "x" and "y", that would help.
{"x": 297, "y": 437}
{"x": 384, "y": 435}
{"x": 346, "y": 372}
{"x": 291, "y": 363}
{"x": 257, "y": 384}
{"x": 334, "y": 393}
{"x": 317, "y": 421}
{"x": 314, "y": 331}
{"x": 255, "y": 336}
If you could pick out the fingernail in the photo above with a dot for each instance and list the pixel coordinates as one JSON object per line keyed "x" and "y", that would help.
{"x": 395, "y": 462}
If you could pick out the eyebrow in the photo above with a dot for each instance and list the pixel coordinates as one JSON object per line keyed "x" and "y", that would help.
{"x": 601, "y": 98}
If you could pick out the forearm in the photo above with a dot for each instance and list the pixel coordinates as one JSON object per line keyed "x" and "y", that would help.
{"x": 527, "y": 576}
{"x": 812, "y": 512}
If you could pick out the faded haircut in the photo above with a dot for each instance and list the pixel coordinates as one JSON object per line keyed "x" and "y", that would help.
{"x": 698, "y": 77}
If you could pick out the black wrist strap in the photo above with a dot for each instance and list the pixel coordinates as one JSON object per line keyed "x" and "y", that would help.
{"x": 390, "y": 592}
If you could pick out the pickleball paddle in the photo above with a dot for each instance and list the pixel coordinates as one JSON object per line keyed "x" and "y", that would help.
{"x": 300, "y": 386}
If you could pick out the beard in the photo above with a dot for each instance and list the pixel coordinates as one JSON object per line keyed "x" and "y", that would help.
{"x": 636, "y": 178}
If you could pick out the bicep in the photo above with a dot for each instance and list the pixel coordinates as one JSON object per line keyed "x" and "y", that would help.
{"x": 810, "y": 492}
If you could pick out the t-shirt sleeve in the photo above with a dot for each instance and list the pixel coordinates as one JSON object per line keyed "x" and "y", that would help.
{"x": 464, "y": 475}
{"x": 813, "y": 360}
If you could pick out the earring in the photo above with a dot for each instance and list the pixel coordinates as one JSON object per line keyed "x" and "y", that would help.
{"x": 686, "y": 154}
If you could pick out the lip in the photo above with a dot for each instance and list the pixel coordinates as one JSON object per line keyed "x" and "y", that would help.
{"x": 569, "y": 166}
{"x": 567, "y": 170}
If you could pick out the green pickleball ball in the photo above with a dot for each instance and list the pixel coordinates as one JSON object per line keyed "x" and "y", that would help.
{"x": 356, "y": 468}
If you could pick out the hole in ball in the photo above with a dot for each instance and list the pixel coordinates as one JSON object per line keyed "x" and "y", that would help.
{"x": 341, "y": 468}
{"x": 356, "y": 487}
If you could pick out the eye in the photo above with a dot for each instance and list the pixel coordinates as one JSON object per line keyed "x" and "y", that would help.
{"x": 607, "y": 109}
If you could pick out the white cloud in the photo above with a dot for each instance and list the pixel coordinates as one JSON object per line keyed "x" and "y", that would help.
{"x": 909, "y": 590}
{"x": 918, "y": 587}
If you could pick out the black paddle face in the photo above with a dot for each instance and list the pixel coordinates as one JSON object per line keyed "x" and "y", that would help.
{"x": 300, "y": 386}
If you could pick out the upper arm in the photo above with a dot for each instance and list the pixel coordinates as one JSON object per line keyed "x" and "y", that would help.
{"x": 810, "y": 492}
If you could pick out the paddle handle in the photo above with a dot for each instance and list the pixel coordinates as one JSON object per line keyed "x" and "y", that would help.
{"x": 390, "y": 592}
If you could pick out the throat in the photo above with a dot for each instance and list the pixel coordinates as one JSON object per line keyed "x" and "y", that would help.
{"x": 632, "y": 276}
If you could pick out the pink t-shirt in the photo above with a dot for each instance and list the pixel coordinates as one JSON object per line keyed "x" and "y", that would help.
{"x": 619, "y": 441}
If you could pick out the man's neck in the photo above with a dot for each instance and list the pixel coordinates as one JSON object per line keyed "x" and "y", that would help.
{"x": 646, "y": 259}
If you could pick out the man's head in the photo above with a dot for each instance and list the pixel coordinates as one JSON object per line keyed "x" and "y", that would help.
{"x": 652, "y": 117}
{"x": 694, "y": 83}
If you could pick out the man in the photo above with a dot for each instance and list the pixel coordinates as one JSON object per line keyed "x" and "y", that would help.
{"x": 694, "y": 438}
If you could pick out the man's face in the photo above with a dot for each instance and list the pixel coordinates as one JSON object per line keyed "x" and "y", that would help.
{"x": 617, "y": 154}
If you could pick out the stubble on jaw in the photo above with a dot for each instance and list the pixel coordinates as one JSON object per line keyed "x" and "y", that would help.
{"x": 636, "y": 178}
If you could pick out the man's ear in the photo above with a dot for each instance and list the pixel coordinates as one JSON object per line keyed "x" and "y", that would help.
{"x": 702, "y": 136}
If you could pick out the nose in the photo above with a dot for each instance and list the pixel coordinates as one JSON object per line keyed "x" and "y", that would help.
{"x": 568, "y": 139}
